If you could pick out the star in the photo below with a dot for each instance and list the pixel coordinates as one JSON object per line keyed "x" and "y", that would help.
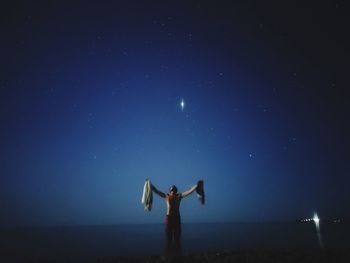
{"x": 182, "y": 104}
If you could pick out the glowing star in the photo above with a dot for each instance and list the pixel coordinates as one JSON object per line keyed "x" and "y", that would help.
{"x": 182, "y": 104}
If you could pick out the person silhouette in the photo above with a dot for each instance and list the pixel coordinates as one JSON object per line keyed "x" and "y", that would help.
{"x": 173, "y": 218}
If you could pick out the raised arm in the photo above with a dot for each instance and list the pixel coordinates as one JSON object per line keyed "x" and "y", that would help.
{"x": 160, "y": 193}
{"x": 190, "y": 191}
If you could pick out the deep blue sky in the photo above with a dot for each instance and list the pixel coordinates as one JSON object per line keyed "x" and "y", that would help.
{"x": 90, "y": 98}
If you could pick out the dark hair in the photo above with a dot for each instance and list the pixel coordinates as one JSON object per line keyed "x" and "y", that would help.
{"x": 173, "y": 188}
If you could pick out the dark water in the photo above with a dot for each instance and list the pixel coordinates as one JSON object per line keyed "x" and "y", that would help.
{"x": 89, "y": 242}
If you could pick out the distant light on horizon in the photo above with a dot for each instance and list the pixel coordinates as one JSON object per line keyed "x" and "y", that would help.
{"x": 316, "y": 220}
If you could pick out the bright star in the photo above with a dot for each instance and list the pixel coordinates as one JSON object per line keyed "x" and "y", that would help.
{"x": 182, "y": 104}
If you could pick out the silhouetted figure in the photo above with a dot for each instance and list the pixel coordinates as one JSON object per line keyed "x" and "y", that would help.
{"x": 173, "y": 219}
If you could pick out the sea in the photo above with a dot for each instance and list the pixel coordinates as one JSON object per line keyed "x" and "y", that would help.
{"x": 69, "y": 243}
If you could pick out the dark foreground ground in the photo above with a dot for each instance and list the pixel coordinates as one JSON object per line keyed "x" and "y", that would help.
{"x": 251, "y": 256}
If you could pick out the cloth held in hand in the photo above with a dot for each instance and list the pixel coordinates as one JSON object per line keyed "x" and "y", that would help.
{"x": 147, "y": 196}
{"x": 200, "y": 191}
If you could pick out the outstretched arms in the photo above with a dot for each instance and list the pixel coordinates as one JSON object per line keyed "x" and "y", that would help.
{"x": 160, "y": 193}
{"x": 190, "y": 191}
{"x": 197, "y": 187}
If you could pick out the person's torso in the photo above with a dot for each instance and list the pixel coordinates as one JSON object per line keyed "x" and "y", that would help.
{"x": 173, "y": 204}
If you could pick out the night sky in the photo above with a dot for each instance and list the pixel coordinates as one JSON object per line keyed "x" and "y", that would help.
{"x": 90, "y": 106}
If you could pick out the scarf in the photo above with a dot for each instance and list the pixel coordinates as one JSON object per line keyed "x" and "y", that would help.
{"x": 147, "y": 196}
{"x": 200, "y": 191}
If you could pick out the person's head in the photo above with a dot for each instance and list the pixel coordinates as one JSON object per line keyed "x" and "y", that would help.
{"x": 173, "y": 189}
